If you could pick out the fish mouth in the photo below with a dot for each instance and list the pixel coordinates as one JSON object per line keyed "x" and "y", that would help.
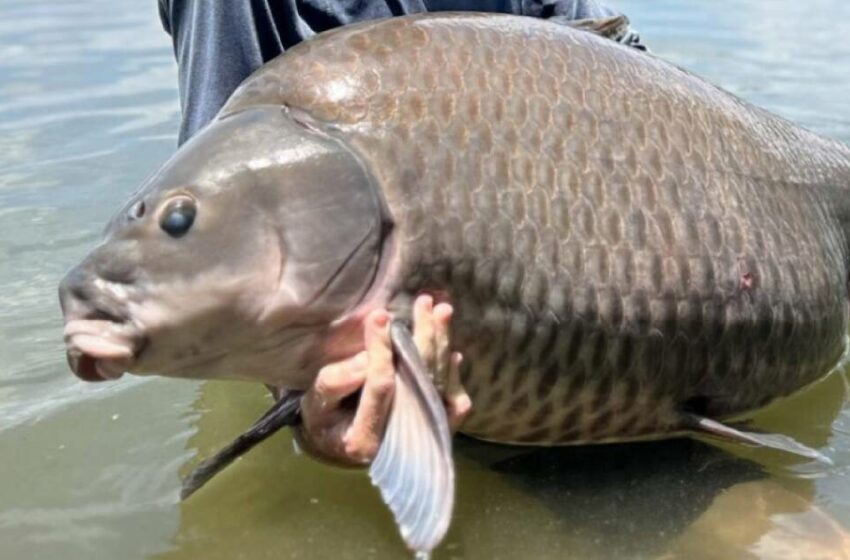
{"x": 101, "y": 349}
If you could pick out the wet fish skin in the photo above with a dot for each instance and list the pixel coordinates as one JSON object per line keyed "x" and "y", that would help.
{"x": 252, "y": 290}
{"x": 621, "y": 239}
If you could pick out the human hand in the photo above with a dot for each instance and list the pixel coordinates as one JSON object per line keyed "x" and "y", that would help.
{"x": 341, "y": 429}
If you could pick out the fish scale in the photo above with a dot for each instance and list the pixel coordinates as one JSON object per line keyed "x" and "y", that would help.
{"x": 620, "y": 239}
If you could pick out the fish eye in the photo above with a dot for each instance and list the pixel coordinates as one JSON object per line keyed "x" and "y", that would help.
{"x": 178, "y": 216}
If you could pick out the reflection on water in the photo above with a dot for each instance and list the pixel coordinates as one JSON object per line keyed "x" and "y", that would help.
{"x": 674, "y": 499}
{"x": 88, "y": 108}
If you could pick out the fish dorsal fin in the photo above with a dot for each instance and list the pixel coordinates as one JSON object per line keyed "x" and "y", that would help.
{"x": 414, "y": 469}
{"x": 614, "y": 27}
{"x": 773, "y": 441}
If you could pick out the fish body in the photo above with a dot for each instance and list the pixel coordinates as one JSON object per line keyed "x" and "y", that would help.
{"x": 630, "y": 251}
{"x": 621, "y": 240}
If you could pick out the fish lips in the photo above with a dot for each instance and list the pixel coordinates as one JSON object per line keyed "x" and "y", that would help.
{"x": 99, "y": 349}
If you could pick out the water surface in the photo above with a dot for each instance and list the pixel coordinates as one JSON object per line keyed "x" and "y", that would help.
{"x": 88, "y": 108}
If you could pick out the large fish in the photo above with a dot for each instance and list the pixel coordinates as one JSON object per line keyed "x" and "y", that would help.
{"x": 631, "y": 252}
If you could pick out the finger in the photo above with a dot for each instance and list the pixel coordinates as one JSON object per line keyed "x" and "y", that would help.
{"x": 324, "y": 444}
{"x": 423, "y": 329}
{"x": 364, "y": 436}
{"x": 442, "y": 355}
{"x": 458, "y": 402}
{"x": 337, "y": 381}
{"x": 458, "y": 409}
{"x": 324, "y": 422}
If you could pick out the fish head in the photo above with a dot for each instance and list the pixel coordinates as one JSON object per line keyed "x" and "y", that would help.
{"x": 234, "y": 260}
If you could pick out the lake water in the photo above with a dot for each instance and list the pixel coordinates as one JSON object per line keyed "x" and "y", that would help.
{"x": 88, "y": 108}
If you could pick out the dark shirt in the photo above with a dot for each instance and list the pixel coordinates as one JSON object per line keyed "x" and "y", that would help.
{"x": 218, "y": 43}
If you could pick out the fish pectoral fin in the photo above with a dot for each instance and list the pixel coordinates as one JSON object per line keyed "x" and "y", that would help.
{"x": 779, "y": 442}
{"x": 285, "y": 411}
{"x": 414, "y": 469}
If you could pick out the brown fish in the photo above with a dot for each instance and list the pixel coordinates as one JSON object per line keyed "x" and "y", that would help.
{"x": 631, "y": 252}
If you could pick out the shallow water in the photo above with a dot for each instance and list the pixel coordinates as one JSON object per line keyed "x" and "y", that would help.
{"x": 88, "y": 108}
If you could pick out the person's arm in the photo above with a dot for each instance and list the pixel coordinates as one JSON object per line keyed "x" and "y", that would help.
{"x": 217, "y": 45}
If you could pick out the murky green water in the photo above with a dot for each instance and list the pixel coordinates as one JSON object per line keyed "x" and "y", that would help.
{"x": 88, "y": 108}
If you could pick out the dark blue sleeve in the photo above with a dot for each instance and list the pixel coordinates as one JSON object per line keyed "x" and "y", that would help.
{"x": 568, "y": 9}
{"x": 217, "y": 45}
